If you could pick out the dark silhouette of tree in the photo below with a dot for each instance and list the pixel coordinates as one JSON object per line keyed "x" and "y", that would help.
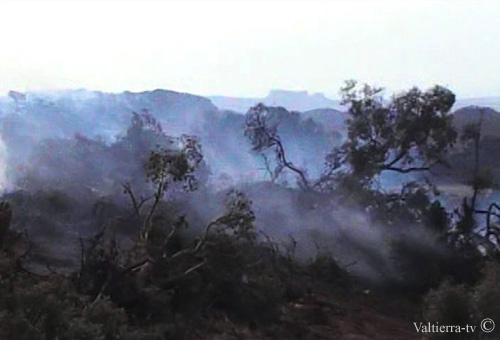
{"x": 480, "y": 179}
{"x": 264, "y": 136}
{"x": 166, "y": 165}
{"x": 406, "y": 134}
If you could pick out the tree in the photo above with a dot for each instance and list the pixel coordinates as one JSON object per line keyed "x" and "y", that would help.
{"x": 158, "y": 250}
{"x": 264, "y": 136}
{"x": 409, "y": 133}
{"x": 165, "y": 166}
{"x": 480, "y": 179}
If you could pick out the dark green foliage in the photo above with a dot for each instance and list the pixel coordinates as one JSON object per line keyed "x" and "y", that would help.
{"x": 466, "y": 222}
{"x": 49, "y": 308}
{"x": 452, "y": 304}
{"x": 487, "y": 297}
{"x": 171, "y": 279}
{"x": 5, "y": 218}
{"x": 437, "y": 218}
{"x": 449, "y": 305}
{"x": 420, "y": 264}
{"x": 242, "y": 282}
{"x": 407, "y": 134}
{"x": 326, "y": 267}
{"x": 176, "y": 164}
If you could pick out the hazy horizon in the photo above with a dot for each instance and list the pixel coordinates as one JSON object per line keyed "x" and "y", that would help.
{"x": 332, "y": 96}
{"x": 246, "y": 49}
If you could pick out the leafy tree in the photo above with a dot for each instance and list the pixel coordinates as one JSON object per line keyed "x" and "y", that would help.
{"x": 406, "y": 134}
{"x": 144, "y": 132}
{"x": 129, "y": 153}
{"x": 165, "y": 166}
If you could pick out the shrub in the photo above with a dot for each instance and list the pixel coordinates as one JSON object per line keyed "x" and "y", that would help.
{"x": 448, "y": 305}
{"x": 241, "y": 281}
{"x": 325, "y": 267}
{"x": 487, "y": 298}
{"x": 422, "y": 264}
{"x": 111, "y": 319}
{"x": 419, "y": 265}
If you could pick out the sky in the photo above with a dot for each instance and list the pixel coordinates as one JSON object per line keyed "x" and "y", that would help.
{"x": 245, "y": 48}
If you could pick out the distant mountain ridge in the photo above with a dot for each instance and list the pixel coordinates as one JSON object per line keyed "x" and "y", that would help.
{"x": 95, "y": 112}
{"x": 305, "y": 101}
{"x": 291, "y": 100}
{"x": 27, "y": 119}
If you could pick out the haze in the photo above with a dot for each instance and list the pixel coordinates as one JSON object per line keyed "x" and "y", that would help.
{"x": 247, "y": 48}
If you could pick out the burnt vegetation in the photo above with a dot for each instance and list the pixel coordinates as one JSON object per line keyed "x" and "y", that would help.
{"x": 130, "y": 241}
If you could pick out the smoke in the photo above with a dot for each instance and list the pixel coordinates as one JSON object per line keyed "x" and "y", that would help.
{"x": 70, "y": 181}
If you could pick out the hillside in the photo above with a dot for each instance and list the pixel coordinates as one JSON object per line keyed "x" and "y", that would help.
{"x": 119, "y": 226}
{"x": 26, "y": 119}
{"x": 93, "y": 112}
{"x": 493, "y": 102}
{"x": 472, "y": 114}
{"x": 331, "y": 119}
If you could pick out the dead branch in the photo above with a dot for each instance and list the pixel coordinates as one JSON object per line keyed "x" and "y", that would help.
{"x": 136, "y": 204}
{"x": 157, "y": 199}
{"x": 137, "y": 266}
{"x": 201, "y": 242}
{"x": 182, "y": 222}
{"x": 186, "y": 272}
{"x": 103, "y": 288}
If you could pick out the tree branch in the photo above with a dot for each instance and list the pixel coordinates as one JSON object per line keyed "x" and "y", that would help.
{"x": 397, "y": 159}
{"x": 186, "y": 272}
{"x": 137, "y": 205}
{"x": 136, "y": 266}
{"x": 199, "y": 244}
{"x": 405, "y": 170}
{"x": 286, "y": 163}
{"x": 157, "y": 198}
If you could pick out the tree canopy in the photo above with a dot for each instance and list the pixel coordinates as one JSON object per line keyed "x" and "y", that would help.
{"x": 405, "y": 134}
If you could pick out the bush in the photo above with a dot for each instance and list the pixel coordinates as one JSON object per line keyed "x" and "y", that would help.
{"x": 111, "y": 319}
{"x": 242, "y": 281}
{"x": 423, "y": 264}
{"x": 487, "y": 298}
{"x": 49, "y": 307}
{"x": 419, "y": 265}
{"x": 448, "y": 305}
{"x": 455, "y": 305}
{"x": 325, "y": 267}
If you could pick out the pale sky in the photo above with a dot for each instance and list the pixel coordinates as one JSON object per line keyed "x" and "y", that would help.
{"x": 243, "y": 48}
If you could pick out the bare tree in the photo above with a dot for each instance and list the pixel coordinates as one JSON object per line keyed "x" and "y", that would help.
{"x": 264, "y": 136}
